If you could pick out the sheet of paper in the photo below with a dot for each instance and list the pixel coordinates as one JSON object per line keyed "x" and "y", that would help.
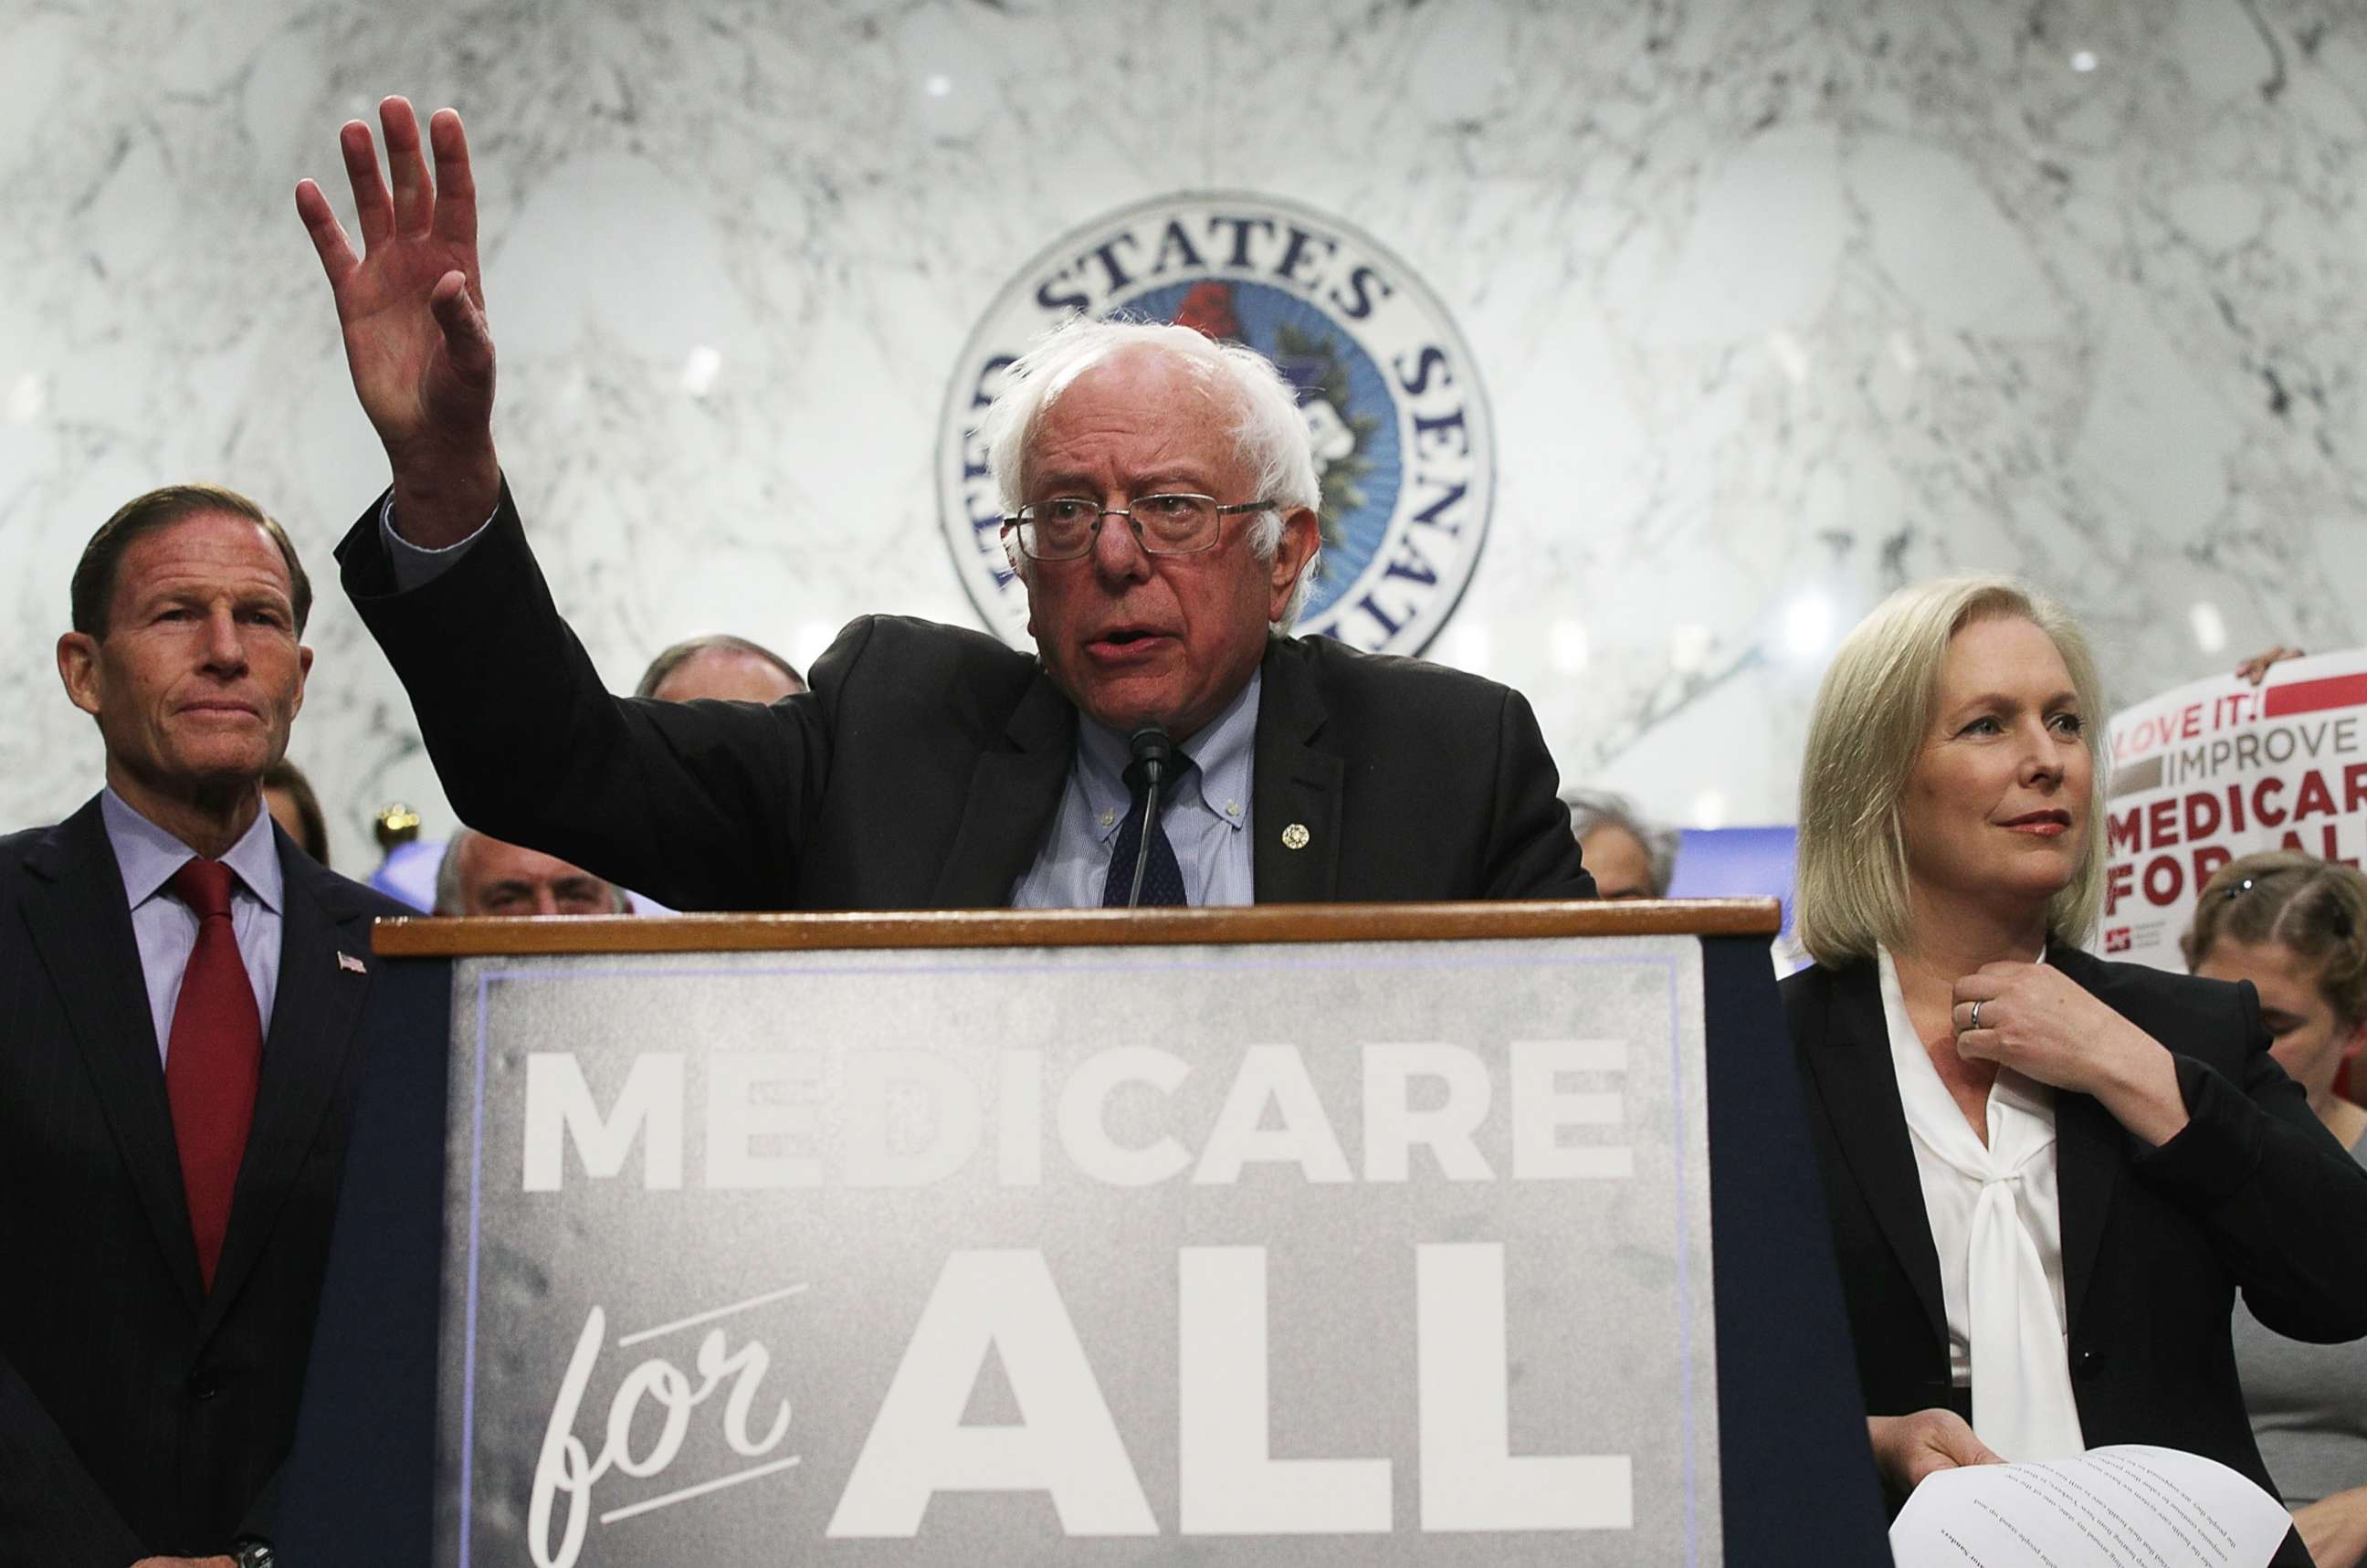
{"x": 2130, "y": 1506}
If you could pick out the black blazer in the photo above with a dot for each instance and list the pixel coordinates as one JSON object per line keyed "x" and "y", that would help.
{"x": 140, "y": 1415}
{"x": 2252, "y": 1193}
{"x": 925, "y": 768}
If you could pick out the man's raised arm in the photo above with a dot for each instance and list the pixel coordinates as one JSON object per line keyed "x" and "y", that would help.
{"x": 411, "y": 307}
{"x": 699, "y": 804}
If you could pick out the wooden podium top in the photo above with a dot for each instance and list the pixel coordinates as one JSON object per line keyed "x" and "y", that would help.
{"x": 426, "y": 938}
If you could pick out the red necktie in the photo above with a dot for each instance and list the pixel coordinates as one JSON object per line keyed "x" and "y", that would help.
{"x": 212, "y": 1060}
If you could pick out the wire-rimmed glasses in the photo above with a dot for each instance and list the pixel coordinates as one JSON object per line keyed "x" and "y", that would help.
{"x": 1063, "y": 528}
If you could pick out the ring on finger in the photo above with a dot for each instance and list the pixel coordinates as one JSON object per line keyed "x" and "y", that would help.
{"x": 1974, "y": 1022}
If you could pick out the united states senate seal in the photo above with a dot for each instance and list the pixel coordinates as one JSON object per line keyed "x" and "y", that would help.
{"x": 1393, "y": 401}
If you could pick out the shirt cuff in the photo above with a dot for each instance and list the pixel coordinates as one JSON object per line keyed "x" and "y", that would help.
{"x": 416, "y": 565}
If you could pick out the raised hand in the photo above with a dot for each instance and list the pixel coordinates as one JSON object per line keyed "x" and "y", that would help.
{"x": 413, "y": 310}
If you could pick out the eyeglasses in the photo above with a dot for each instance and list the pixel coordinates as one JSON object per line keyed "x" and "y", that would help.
{"x": 1064, "y": 528}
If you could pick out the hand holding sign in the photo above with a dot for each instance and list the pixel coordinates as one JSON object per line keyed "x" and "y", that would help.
{"x": 2256, "y": 669}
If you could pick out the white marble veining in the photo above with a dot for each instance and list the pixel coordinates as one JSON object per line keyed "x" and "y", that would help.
{"x": 1778, "y": 304}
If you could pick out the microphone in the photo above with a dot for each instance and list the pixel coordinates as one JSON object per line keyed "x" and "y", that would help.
{"x": 1152, "y": 753}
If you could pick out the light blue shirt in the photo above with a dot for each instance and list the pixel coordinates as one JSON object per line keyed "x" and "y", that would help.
{"x": 416, "y": 565}
{"x": 166, "y": 929}
{"x": 1206, "y": 815}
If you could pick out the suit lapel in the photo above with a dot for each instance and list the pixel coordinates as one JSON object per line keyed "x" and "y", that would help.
{"x": 1013, "y": 794}
{"x": 2087, "y": 1161}
{"x": 314, "y": 1014}
{"x": 1295, "y": 786}
{"x": 82, "y": 930}
{"x": 1854, "y": 1076}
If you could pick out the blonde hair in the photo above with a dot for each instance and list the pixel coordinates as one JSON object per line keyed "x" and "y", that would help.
{"x": 1872, "y": 713}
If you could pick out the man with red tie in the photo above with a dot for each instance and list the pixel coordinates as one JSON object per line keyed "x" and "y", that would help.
{"x": 182, "y": 988}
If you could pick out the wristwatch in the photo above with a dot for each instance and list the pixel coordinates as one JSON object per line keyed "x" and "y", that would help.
{"x": 252, "y": 1552}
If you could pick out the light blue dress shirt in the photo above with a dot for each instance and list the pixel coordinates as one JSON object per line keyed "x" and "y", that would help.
{"x": 166, "y": 929}
{"x": 1206, "y": 815}
{"x": 416, "y": 565}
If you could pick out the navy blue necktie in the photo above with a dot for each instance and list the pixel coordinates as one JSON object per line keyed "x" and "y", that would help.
{"x": 1163, "y": 879}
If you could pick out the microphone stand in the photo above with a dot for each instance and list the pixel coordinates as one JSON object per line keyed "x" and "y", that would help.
{"x": 1152, "y": 751}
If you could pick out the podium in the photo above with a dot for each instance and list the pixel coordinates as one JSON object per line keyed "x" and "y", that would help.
{"x": 1350, "y": 1233}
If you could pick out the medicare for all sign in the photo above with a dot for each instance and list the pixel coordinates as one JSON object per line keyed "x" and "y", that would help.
{"x": 886, "y": 1278}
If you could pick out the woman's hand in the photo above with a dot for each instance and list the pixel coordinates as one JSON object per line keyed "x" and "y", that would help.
{"x": 2036, "y": 1020}
{"x": 1909, "y": 1448}
{"x": 2335, "y": 1529}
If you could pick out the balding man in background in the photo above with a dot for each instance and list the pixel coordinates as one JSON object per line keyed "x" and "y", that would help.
{"x": 480, "y": 875}
{"x": 1630, "y": 857}
{"x": 722, "y": 667}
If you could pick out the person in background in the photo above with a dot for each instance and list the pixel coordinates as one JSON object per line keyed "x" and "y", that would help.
{"x": 2296, "y": 929}
{"x": 406, "y": 867}
{"x": 2047, "y": 1175}
{"x": 481, "y": 875}
{"x": 2256, "y": 670}
{"x": 288, "y": 796}
{"x": 1629, "y": 857}
{"x": 720, "y": 665}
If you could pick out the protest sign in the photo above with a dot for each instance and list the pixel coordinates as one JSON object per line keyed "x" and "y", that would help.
{"x": 2218, "y": 769}
{"x": 1342, "y": 1254}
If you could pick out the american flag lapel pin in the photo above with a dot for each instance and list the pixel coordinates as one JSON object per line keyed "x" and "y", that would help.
{"x": 348, "y": 961}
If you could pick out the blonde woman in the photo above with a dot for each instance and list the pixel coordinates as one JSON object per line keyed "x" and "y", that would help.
{"x": 2047, "y": 1175}
{"x": 2296, "y": 927}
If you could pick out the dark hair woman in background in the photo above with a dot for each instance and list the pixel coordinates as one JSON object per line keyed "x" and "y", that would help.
{"x": 287, "y": 795}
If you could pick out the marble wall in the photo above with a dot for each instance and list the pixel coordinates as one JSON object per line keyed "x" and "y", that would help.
{"x": 1778, "y": 304}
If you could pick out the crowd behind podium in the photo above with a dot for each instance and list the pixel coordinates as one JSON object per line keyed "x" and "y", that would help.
{"x": 2050, "y": 1177}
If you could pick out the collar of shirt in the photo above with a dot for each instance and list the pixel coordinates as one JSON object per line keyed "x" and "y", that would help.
{"x": 148, "y": 856}
{"x": 2020, "y": 1111}
{"x": 1216, "y": 784}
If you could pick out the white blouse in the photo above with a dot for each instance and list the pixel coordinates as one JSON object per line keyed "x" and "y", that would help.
{"x": 1998, "y": 1227}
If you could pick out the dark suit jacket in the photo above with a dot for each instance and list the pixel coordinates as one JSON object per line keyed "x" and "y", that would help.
{"x": 924, "y": 768}
{"x": 2252, "y": 1193}
{"x": 138, "y": 1413}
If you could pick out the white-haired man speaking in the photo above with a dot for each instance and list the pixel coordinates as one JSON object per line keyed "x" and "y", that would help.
{"x": 1161, "y": 498}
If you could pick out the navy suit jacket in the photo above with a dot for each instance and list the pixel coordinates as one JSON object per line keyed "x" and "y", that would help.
{"x": 140, "y": 1414}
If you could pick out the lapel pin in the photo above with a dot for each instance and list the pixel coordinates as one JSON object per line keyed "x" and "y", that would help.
{"x": 1295, "y": 836}
{"x": 348, "y": 961}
